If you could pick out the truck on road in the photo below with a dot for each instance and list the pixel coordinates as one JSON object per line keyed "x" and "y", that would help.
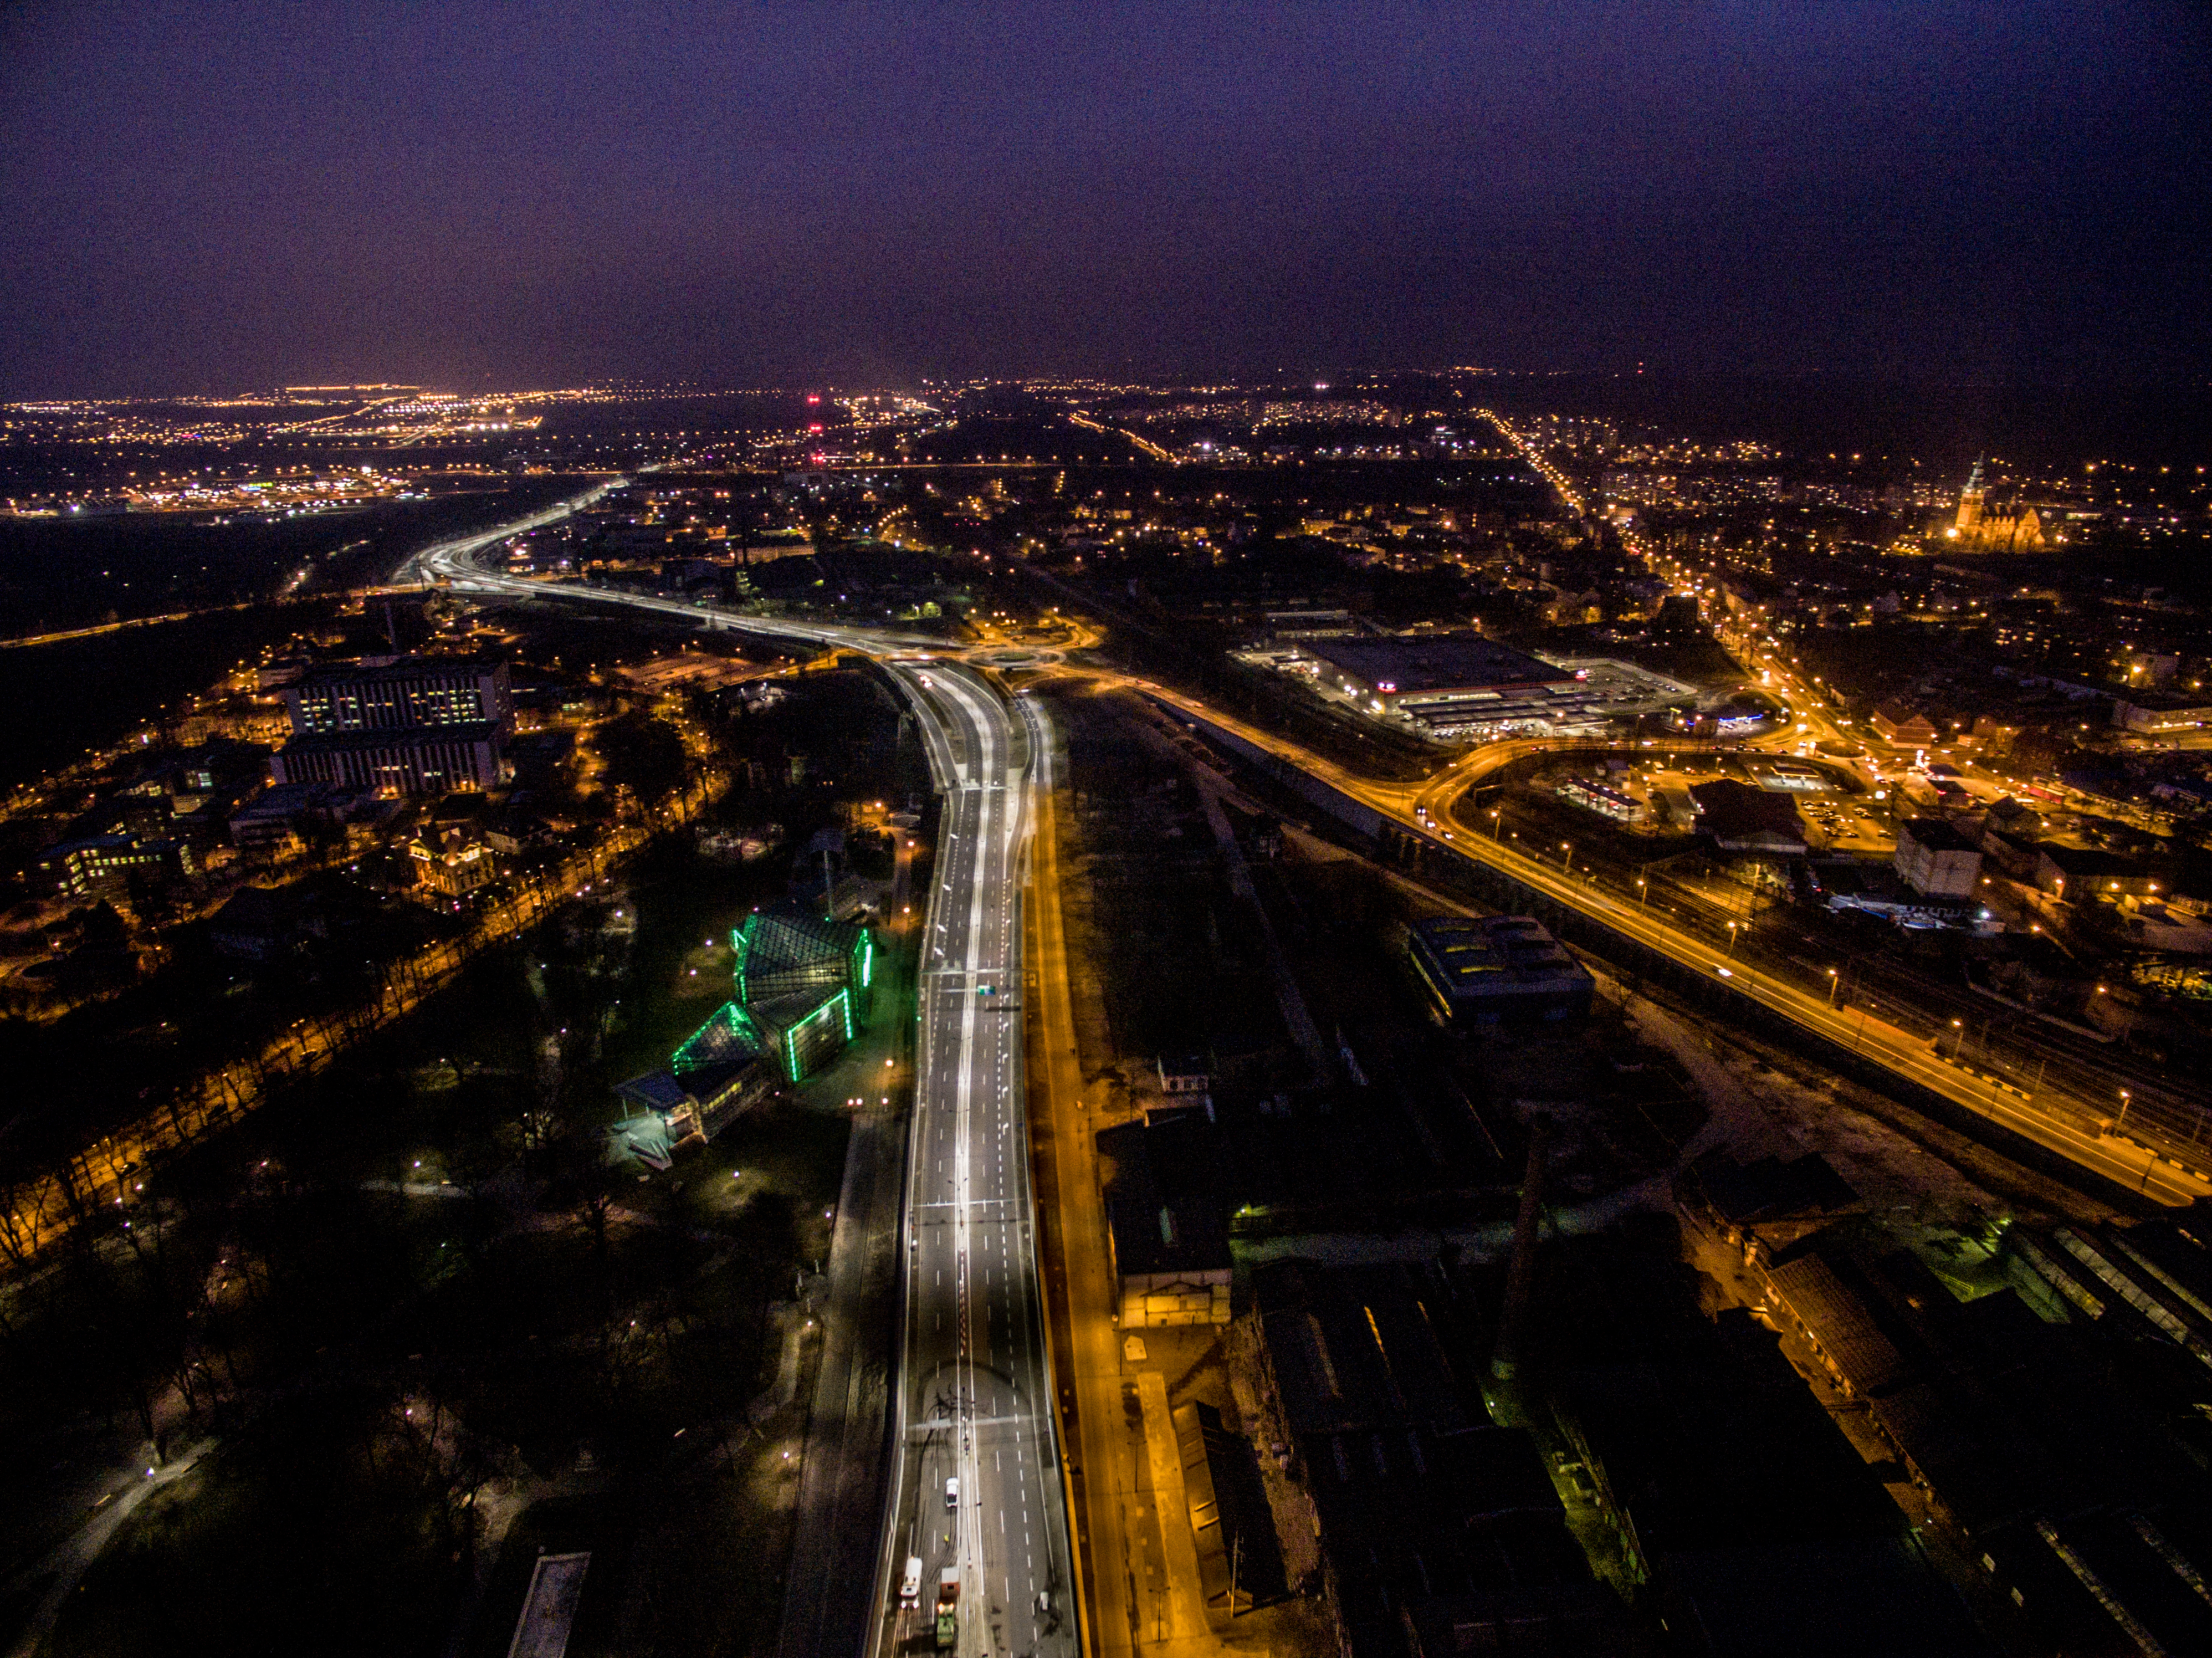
{"x": 948, "y": 1608}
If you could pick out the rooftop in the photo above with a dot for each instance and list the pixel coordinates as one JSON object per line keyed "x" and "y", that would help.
{"x": 1728, "y": 809}
{"x": 1493, "y": 955}
{"x": 1937, "y": 836}
{"x": 400, "y": 736}
{"x": 2165, "y": 701}
{"x": 1739, "y": 1193}
{"x": 729, "y": 1037}
{"x": 1163, "y": 1210}
{"x": 1357, "y": 1349}
{"x": 1435, "y": 662}
{"x": 371, "y": 669}
{"x": 2089, "y": 860}
{"x": 1860, "y": 1594}
{"x": 789, "y": 960}
{"x": 549, "y": 1611}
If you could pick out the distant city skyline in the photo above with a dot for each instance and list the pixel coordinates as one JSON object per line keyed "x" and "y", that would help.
{"x": 208, "y": 200}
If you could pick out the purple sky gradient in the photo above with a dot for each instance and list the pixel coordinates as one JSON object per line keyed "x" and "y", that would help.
{"x": 206, "y": 197}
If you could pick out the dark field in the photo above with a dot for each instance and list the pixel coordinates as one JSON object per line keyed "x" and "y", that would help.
{"x": 992, "y": 438}
{"x": 85, "y": 693}
{"x": 80, "y": 694}
{"x": 61, "y": 574}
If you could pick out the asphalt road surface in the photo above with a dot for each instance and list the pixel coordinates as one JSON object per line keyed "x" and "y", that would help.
{"x": 972, "y": 1395}
{"x": 975, "y": 1402}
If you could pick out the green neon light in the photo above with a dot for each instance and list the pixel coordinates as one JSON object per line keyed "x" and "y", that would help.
{"x": 842, "y": 999}
{"x": 729, "y": 1021}
{"x": 867, "y": 959}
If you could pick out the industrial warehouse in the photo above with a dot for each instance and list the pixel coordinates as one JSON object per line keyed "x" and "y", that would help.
{"x": 1463, "y": 686}
{"x": 1497, "y": 970}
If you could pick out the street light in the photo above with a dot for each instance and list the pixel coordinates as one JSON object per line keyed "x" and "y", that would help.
{"x": 1732, "y": 937}
{"x": 1834, "y": 980}
{"x": 1643, "y": 893}
{"x": 1566, "y": 853}
{"x": 2126, "y": 1100}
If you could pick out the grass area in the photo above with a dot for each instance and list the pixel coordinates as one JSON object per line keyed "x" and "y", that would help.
{"x": 682, "y": 1568}
{"x": 334, "y": 1527}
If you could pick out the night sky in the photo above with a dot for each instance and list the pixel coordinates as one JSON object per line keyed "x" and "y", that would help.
{"x": 207, "y": 198}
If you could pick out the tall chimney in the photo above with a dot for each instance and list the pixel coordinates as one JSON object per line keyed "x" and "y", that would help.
{"x": 1521, "y": 1275}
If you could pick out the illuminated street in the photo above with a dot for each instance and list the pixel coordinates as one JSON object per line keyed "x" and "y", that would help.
{"x": 970, "y": 1399}
{"x": 1372, "y": 831}
{"x": 974, "y": 1404}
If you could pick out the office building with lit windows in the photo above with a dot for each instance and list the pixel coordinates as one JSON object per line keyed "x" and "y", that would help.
{"x": 103, "y": 865}
{"x": 411, "y": 725}
{"x": 409, "y": 694}
{"x": 433, "y": 761}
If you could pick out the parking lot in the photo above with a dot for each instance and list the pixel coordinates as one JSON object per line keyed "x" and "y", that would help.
{"x": 1649, "y": 792}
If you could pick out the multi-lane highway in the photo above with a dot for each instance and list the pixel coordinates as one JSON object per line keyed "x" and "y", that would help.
{"x": 977, "y": 1485}
{"x": 454, "y": 562}
{"x": 976, "y": 1482}
{"x": 450, "y": 560}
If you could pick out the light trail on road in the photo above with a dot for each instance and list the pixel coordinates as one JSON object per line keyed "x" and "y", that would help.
{"x": 974, "y": 1401}
{"x": 971, "y": 1397}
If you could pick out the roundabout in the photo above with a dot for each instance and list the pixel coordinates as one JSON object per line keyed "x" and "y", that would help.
{"x": 1007, "y": 657}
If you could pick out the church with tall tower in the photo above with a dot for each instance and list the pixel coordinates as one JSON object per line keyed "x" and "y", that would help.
{"x": 1996, "y": 521}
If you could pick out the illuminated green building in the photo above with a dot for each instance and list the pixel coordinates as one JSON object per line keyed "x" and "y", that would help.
{"x": 803, "y": 983}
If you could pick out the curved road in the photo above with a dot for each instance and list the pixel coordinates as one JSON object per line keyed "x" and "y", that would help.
{"x": 2065, "y": 1127}
{"x": 971, "y": 1398}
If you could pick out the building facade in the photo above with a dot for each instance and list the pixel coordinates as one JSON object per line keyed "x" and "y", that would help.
{"x": 1990, "y": 521}
{"x": 102, "y": 865}
{"x": 1936, "y": 860}
{"x": 452, "y": 862}
{"x": 1901, "y": 725}
{"x": 429, "y": 761}
{"x": 407, "y": 694}
{"x": 2160, "y": 716}
{"x": 413, "y": 725}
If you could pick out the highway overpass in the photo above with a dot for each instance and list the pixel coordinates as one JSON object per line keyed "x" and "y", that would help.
{"x": 1845, "y": 1038}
